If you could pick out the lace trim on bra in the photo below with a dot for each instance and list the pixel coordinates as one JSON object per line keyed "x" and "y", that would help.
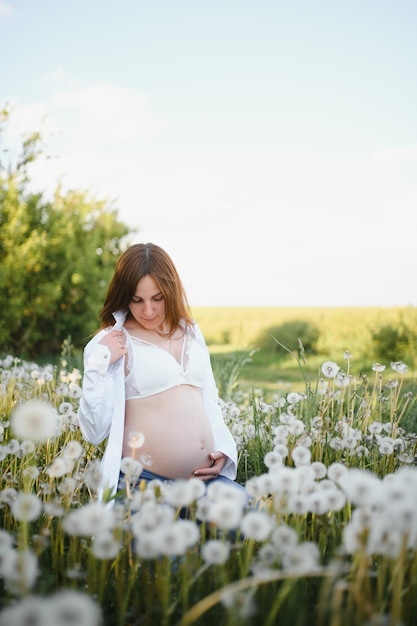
{"x": 131, "y": 389}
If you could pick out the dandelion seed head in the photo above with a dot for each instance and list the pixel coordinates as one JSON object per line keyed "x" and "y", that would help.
{"x": 319, "y": 469}
{"x": 302, "y": 558}
{"x": 93, "y": 475}
{"x": 131, "y": 469}
{"x": 35, "y": 420}
{"x": 197, "y": 487}
{"x": 386, "y": 448}
{"x": 399, "y": 367}
{"x": 362, "y": 452}
{"x": 279, "y": 403}
{"x": 30, "y": 472}
{"x": 256, "y": 525}
{"x": 296, "y": 428}
{"x": 54, "y": 509}
{"x": 215, "y": 552}
{"x": 349, "y": 443}
{"x": 284, "y": 537}
{"x": 67, "y": 486}
{"x": 147, "y": 545}
{"x": 146, "y": 459}
{"x": 273, "y": 459}
{"x": 336, "y": 443}
{"x": 301, "y": 456}
{"x": 59, "y": 467}
{"x": 317, "y": 503}
{"x": 89, "y": 519}
{"x": 27, "y": 447}
{"x": 361, "y": 487}
{"x": 13, "y": 447}
{"x": 375, "y": 427}
{"x": 297, "y": 504}
{"x": 225, "y": 514}
{"x": 6, "y": 541}
{"x": 178, "y": 493}
{"x": 286, "y": 419}
{"x": 377, "y": 367}
{"x": 74, "y": 608}
{"x": 329, "y": 369}
{"x": 8, "y": 495}
{"x": 172, "y": 540}
{"x": 282, "y": 431}
{"x": 336, "y": 472}
{"x": 21, "y": 571}
{"x": 293, "y": 397}
{"x": 30, "y": 611}
{"x": 342, "y": 379}
{"x": 105, "y": 545}
{"x": 221, "y": 491}
{"x": 268, "y": 556}
{"x": 136, "y": 439}
{"x": 26, "y": 507}
{"x": 73, "y": 450}
{"x": 336, "y": 499}
{"x": 151, "y": 516}
{"x": 203, "y": 509}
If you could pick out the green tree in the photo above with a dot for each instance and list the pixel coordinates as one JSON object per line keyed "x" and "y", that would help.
{"x": 56, "y": 259}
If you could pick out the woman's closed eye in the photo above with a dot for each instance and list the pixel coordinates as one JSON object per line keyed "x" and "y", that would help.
{"x": 138, "y": 299}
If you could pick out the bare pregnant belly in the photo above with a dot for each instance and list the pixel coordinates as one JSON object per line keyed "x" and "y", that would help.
{"x": 177, "y": 433}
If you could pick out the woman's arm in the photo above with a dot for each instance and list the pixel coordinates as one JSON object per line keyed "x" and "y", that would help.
{"x": 223, "y": 438}
{"x": 97, "y": 400}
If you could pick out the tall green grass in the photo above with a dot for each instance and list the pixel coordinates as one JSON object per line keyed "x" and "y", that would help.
{"x": 330, "y": 537}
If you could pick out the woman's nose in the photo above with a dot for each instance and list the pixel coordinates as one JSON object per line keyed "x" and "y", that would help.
{"x": 148, "y": 308}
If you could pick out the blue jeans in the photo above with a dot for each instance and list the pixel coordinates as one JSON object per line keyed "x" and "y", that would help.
{"x": 148, "y": 476}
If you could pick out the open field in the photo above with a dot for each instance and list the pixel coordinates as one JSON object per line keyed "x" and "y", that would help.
{"x": 368, "y": 334}
{"x": 340, "y": 328}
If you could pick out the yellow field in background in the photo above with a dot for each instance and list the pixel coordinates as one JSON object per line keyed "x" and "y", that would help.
{"x": 340, "y": 328}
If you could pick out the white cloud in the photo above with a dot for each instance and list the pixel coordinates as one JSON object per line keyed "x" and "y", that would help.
{"x": 58, "y": 74}
{"x": 95, "y": 134}
{"x": 105, "y": 110}
{"x": 277, "y": 229}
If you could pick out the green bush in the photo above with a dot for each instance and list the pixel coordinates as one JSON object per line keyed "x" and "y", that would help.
{"x": 288, "y": 334}
{"x": 396, "y": 343}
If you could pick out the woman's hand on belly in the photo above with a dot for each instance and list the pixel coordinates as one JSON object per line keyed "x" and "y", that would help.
{"x": 218, "y": 461}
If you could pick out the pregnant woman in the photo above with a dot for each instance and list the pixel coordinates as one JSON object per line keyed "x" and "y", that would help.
{"x": 147, "y": 374}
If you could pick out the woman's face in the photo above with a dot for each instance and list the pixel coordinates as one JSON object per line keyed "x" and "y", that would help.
{"x": 148, "y": 304}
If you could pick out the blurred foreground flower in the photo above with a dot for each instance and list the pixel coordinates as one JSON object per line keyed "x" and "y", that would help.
{"x": 35, "y": 420}
{"x": 64, "y": 608}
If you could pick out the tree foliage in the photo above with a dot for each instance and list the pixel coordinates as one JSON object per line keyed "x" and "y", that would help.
{"x": 56, "y": 259}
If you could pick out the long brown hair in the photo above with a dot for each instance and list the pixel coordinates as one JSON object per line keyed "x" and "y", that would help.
{"x": 146, "y": 259}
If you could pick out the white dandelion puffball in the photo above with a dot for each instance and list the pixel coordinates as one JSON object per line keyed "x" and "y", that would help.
{"x": 136, "y": 440}
{"x": 329, "y": 369}
{"x": 26, "y": 507}
{"x": 73, "y": 607}
{"x": 35, "y": 420}
{"x": 215, "y": 552}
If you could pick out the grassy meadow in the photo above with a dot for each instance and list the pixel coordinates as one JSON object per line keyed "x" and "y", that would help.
{"x": 327, "y": 447}
{"x": 369, "y": 334}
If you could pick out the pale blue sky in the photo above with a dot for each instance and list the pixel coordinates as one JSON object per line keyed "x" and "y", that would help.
{"x": 270, "y": 146}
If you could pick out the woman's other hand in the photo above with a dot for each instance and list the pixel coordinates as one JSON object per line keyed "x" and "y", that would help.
{"x": 115, "y": 341}
{"x": 218, "y": 461}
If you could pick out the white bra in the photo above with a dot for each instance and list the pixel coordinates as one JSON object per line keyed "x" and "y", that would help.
{"x": 151, "y": 369}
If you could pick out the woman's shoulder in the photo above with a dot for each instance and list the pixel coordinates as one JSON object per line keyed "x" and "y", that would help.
{"x": 195, "y": 331}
